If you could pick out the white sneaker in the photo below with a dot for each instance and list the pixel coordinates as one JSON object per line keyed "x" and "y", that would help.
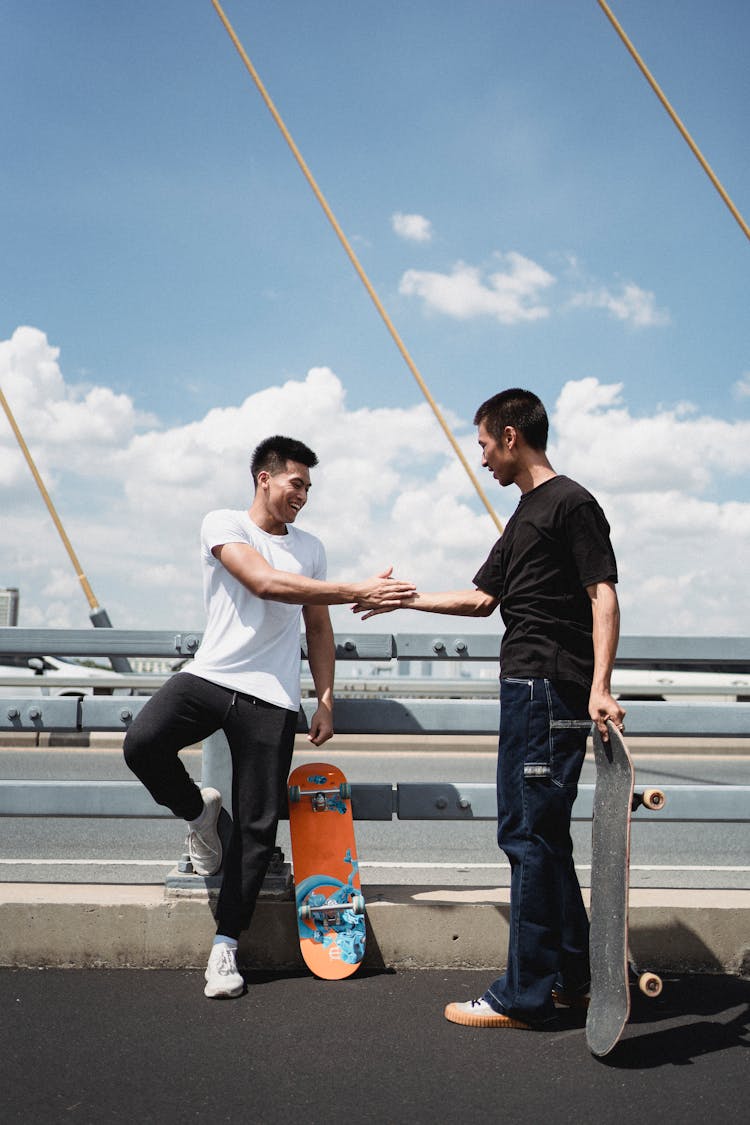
{"x": 203, "y": 841}
{"x": 223, "y": 978}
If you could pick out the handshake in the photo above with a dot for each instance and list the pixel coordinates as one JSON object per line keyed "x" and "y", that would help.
{"x": 381, "y": 594}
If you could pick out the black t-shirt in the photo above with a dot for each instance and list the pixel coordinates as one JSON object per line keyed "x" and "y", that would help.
{"x": 555, "y": 544}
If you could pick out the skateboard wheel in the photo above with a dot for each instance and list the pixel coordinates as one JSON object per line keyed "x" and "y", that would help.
{"x": 650, "y": 984}
{"x": 358, "y": 904}
{"x": 653, "y": 798}
{"x": 294, "y": 794}
{"x": 305, "y": 913}
{"x": 345, "y": 791}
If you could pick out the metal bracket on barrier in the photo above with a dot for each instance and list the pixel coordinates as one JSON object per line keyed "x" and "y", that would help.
{"x": 359, "y": 646}
{"x": 100, "y": 713}
{"x": 187, "y": 644}
{"x": 444, "y": 801}
{"x": 40, "y": 714}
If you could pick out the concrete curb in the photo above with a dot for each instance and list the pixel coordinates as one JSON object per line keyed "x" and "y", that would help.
{"x": 95, "y": 926}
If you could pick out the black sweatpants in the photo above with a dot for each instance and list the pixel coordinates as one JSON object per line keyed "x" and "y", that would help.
{"x": 261, "y": 739}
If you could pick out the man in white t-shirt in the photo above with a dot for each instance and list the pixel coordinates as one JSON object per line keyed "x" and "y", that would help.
{"x": 260, "y": 574}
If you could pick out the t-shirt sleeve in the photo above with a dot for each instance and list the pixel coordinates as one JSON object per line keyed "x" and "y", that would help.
{"x": 220, "y": 527}
{"x": 489, "y": 577}
{"x": 590, "y": 545}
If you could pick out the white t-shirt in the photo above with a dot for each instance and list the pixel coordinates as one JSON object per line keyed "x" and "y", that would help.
{"x": 250, "y": 644}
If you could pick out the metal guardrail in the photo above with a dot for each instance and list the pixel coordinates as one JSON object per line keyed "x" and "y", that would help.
{"x": 382, "y": 716}
{"x": 708, "y": 654}
{"x": 370, "y": 801}
{"x": 628, "y": 683}
{"x": 379, "y": 716}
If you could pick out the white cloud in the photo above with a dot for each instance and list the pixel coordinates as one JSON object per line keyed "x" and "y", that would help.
{"x": 414, "y": 228}
{"x": 64, "y": 425}
{"x": 632, "y": 304}
{"x": 742, "y": 386}
{"x": 682, "y": 557}
{"x": 509, "y": 295}
{"x": 597, "y": 438}
{"x": 516, "y": 292}
{"x": 388, "y": 490}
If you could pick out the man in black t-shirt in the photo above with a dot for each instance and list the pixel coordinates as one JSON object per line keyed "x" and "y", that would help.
{"x": 553, "y": 574}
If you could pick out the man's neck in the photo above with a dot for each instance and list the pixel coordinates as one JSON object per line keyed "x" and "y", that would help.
{"x": 535, "y": 472}
{"x": 263, "y": 519}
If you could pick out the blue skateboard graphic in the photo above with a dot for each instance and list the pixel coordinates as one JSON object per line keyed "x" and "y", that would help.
{"x": 337, "y": 914}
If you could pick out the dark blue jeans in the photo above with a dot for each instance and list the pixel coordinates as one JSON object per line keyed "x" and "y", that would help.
{"x": 543, "y": 729}
{"x": 261, "y": 740}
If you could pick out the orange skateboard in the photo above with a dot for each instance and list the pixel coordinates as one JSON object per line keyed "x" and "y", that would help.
{"x": 330, "y": 906}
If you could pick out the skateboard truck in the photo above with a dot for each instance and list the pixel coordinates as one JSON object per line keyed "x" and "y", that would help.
{"x": 329, "y": 910}
{"x": 318, "y": 796}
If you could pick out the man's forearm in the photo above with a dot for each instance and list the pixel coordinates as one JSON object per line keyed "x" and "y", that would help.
{"x": 603, "y": 707}
{"x": 322, "y": 665}
{"x": 264, "y": 581}
{"x": 296, "y": 589}
{"x": 605, "y": 634}
{"x": 321, "y": 656}
{"x": 461, "y": 603}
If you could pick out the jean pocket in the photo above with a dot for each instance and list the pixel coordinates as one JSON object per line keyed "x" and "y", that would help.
{"x": 567, "y": 750}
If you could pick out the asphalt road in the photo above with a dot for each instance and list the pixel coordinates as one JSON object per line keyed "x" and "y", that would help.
{"x": 146, "y": 1046}
{"x": 664, "y": 854}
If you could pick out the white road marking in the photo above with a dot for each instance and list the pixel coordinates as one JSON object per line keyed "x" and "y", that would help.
{"x": 87, "y": 862}
{"x": 385, "y": 864}
{"x": 579, "y": 866}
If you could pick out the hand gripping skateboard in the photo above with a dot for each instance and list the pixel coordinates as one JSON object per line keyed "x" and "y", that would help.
{"x": 614, "y": 802}
{"x": 330, "y": 906}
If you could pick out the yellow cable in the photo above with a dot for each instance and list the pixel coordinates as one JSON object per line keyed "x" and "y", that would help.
{"x": 48, "y": 501}
{"x": 662, "y": 98}
{"x": 354, "y": 260}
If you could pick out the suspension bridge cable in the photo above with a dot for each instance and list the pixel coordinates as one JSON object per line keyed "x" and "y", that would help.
{"x": 50, "y": 506}
{"x": 663, "y": 99}
{"x": 355, "y": 261}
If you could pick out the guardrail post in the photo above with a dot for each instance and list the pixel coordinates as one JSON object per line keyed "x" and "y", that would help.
{"x": 216, "y": 767}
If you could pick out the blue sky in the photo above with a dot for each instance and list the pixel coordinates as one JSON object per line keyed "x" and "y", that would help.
{"x": 155, "y": 229}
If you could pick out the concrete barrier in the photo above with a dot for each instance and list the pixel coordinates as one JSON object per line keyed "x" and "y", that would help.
{"x": 94, "y": 926}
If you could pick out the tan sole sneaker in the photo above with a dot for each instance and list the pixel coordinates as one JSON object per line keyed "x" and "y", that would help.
{"x": 478, "y": 1013}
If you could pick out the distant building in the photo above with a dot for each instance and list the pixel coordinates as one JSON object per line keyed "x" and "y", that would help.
{"x": 9, "y": 606}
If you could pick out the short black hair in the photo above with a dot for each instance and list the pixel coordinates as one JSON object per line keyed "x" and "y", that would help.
{"x": 273, "y": 453}
{"x": 523, "y": 410}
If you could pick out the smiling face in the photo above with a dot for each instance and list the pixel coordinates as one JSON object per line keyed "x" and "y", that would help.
{"x": 280, "y": 497}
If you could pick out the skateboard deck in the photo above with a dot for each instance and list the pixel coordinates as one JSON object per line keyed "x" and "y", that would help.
{"x": 614, "y": 801}
{"x": 330, "y": 906}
